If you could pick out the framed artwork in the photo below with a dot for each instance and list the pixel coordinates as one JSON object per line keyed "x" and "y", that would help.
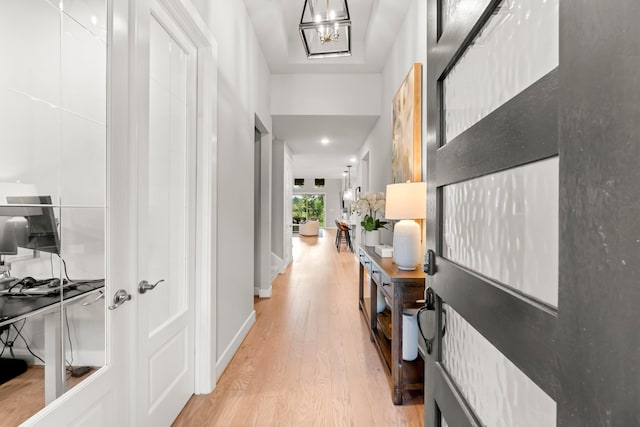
{"x": 406, "y": 128}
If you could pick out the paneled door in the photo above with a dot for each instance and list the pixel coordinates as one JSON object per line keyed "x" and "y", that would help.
{"x": 64, "y": 139}
{"x": 492, "y": 227}
{"x": 167, "y": 223}
{"x": 533, "y": 199}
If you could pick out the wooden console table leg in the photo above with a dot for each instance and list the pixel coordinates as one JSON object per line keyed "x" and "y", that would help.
{"x": 396, "y": 345}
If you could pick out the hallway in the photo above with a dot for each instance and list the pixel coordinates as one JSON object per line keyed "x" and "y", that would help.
{"x": 308, "y": 359}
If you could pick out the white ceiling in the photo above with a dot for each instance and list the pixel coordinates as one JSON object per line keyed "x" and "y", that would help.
{"x": 374, "y": 26}
{"x": 311, "y": 158}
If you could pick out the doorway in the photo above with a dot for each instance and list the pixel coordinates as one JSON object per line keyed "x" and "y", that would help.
{"x": 307, "y": 207}
{"x": 257, "y": 206}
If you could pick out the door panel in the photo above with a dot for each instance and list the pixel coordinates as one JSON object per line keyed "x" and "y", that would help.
{"x": 167, "y": 224}
{"x": 168, "y": 191}
{"x": 56, "y": 132}
{"x": 64, "y": 102}
{"x": 498, "y": 391}
{"x": 493, "y": 211}
{"x": 516, "y": 47}
{"x": 505, "y": 227}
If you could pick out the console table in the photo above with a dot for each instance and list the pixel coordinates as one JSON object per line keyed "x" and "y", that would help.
{"x": 402, "y": 289}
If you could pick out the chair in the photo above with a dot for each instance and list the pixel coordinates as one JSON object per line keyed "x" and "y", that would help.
{"x": 343, "y": 233}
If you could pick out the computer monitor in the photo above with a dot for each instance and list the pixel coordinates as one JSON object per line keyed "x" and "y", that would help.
{"x": 42, "y": 229}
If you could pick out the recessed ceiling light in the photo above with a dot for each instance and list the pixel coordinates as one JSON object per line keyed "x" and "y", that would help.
{"x": 325, "y": 141}
{"x": 353, "y": 160}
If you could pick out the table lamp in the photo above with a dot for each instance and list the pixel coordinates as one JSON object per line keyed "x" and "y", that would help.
{"x": 406, "y": 202}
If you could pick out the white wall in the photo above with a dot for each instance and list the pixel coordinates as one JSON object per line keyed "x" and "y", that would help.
{"x": 325, "y": 94}
{"x": 409, "y": 47}
{"x": 243, "y": 94}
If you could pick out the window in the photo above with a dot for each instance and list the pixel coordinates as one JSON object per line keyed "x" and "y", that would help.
{"x": 319, "y": 183}
{"x": 298, "y": 182}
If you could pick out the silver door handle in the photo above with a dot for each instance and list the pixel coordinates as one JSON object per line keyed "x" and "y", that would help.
{"x": 144, "y": 286}
{"x": 120, "y": 298}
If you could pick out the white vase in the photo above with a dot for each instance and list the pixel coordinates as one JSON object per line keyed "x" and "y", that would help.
{"x": 372, "y": 238}
{"x": 381, "y": 303}
{"x": 409, "y": 335}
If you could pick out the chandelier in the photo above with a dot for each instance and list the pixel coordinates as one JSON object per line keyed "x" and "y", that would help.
{"x": 325, "y": 28}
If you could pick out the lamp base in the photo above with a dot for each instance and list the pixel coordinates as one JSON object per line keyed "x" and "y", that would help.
{"x": 406, "y": 244}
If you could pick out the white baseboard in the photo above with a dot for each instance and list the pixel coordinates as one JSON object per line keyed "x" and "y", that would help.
{"x": 278, "y": 266}
{"x": 234, "y": 345}
{"x": 265, "y": 293}
{"x": 262, "y": 293}
{"x": 285, "y": 264}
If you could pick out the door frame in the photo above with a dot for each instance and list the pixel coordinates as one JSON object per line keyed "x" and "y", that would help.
{"x": 188, "y": 18}
{"x": 324, "y": 204}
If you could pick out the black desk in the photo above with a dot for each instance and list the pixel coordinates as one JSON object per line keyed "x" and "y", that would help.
{"x": 14, "y": 308}
{"x": 17, "y": 307}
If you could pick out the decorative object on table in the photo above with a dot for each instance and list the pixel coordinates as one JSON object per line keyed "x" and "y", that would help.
{"x": 406, "y": 128}
{"x": 371, "y": 204}
{"x": 409, "y": 334}
{"x": 406, "y": 202}
{"x": 325, "y": 28}
{"x": 381, "y": 302}
{"x": 384, "y": 251}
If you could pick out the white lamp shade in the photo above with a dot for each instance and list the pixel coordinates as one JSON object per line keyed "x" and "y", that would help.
{"x": 406, "y": 201}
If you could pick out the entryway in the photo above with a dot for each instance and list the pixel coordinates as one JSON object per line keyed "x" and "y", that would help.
{"x": 309, "y": 357}
{"x": 308, "y": 208}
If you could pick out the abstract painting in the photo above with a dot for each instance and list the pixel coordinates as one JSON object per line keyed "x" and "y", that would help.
{"x": 406, "y": 128}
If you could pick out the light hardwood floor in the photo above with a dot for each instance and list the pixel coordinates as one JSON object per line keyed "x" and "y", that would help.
{"x": 23, "y": 396}
{"x": 308, "y": 359}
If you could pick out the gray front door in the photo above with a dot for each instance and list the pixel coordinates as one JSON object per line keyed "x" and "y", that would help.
{"x": 533, "y": 212}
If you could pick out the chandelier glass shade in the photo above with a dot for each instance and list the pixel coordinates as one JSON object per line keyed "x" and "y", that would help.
{"x": 325, "y": 28}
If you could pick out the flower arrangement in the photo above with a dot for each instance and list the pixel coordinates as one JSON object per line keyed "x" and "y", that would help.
{"x": 369, "y": 205}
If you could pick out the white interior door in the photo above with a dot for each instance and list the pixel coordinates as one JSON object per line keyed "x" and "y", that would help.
{"x": 166, "y": 217}
{"x": 102, "y": 156}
